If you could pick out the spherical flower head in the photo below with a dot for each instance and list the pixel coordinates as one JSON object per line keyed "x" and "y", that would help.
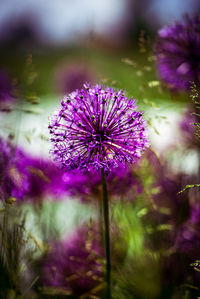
{"x": 97, "y": 127}
{"x": 178, "y": 53}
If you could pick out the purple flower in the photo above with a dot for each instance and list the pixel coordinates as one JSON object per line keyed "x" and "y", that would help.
{"x": 97, "y": 127}
{"x": 44, "y": 179}
{"x": 188, "y": 236}
{"x": 72, "y": 76}
{"x": 87, "y": 186}
{"x": 13, "y": 175}
{"x": 178, "y": 53}
{"x": 6, "y": 88}
{"x": 195, "y": 215}
{"x": 74, "y": 264}
{"x": 26, "y": 178}
{"x": 188, "y": 129}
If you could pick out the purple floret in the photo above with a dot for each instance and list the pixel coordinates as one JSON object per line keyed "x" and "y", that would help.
{"x": 178, "y": 53}
{"x": 97, "y": 127}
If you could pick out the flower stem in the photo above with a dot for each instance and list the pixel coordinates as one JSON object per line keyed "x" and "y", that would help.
{"x": 107, "y": 233}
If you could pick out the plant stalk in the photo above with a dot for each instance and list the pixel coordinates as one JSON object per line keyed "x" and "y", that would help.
{"x": 107, "y": 233}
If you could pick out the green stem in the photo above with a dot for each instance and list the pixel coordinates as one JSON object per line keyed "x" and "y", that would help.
{"x": 107, "y": 233}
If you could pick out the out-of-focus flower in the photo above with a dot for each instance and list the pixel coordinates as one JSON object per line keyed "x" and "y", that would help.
{"x": 88, "y": 186}
{"x": 26, "y": 178}
{"x": 74, "y": 264}
{"x": 178, "y": 53}
{"x": 72, "y": 76}
{"x": 188, "y": 236}
{"x": 13, "y": 175}
{"x": 97, "y": 127}
{"x": 7, "y": 91}
{"x": 188, "y": 130}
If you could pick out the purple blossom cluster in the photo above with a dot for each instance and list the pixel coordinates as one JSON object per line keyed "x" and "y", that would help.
{"x": 178, "y": 53}
{"x": 13, "y": 174}
{"x": 87, "y": 186}
{"x": 75, "y": 263}
{"x": 26, "y": 178}
{"x": 97, "y": 127}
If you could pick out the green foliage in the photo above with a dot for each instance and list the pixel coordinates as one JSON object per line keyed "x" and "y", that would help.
{"x": 14, "y": 253}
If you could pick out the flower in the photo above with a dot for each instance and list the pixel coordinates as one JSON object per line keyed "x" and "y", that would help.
{"x": 188, "y": 236}
{"x": 188, "y": 129}
{"x": 75, "y": 263}
{"x": 70, "y": 77}
{"x": 8, "y": 92}
{"x": 6, "y": 87}
{"x": 13, "y": 182}
{"x": 97, "y": 127}
{"x": 26, "y": 178}
{"x": 88, "y": 185}
{"x": 178, "y": 53}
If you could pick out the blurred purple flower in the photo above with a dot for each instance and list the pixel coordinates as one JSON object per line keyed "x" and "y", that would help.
{"x": 74, "y": 264}
{"x": 97, "y": 127}
{"x": 195, "y": 215}
{"x": 26, "y": 178}
{"x": 188, "y": 236}
{"x": 7, "y": 91}
{"x": 178, "y": 53}
{"x": 13, "y": 175}
{"x": 72, "y": 76}
{"x": 88, "y": 186}
{"x": 189, "y": 129}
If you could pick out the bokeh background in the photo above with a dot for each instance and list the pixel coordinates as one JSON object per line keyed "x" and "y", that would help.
{"x": 48, "y": 49}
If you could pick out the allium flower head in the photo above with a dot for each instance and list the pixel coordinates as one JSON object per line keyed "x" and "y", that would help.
{"x": 97, "y": 127}
{"x": 178, "y": 53}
